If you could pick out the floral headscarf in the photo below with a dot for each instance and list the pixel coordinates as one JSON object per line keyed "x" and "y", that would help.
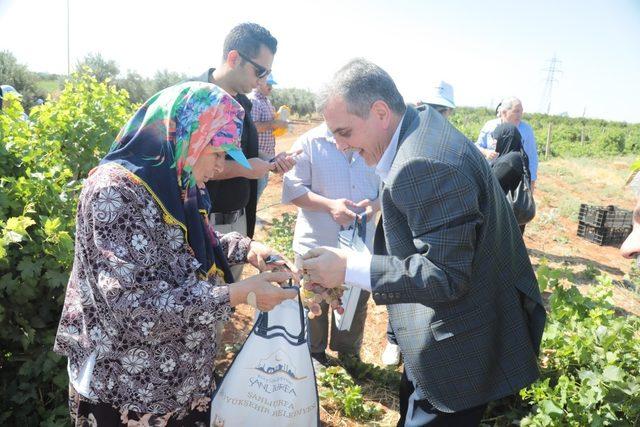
{"x": 162, "y": 142}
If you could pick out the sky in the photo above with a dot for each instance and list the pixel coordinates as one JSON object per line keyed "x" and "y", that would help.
{"x": 486, "y": 49}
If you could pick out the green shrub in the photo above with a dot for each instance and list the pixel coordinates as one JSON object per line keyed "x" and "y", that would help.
{"x": 338, "y": 389}
{"x": 41, "y": 166}
{"x": 590, "y": 372}
{"x": 280, "y": 236}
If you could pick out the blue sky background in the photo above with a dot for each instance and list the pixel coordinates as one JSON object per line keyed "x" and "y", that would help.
{"x": 485, "y": 49}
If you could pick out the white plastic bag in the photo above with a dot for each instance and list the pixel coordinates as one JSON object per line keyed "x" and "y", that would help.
{"x": 271, "y": 381}
{"x": 354, "y": 239}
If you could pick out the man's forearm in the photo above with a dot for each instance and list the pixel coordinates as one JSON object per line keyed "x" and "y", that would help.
{"x": 313, "y": 202}
{"x": 265, "y": 126}
{"x": 233, "y": 169}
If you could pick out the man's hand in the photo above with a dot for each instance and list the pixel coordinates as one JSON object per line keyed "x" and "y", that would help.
{"x": 285, "y": 161}
{"x": 370, "y": 208}
{"x": 280, "y": 124}
{"x": 259, "y": 168}
{"x": 533, "y": 186}
{"x": 325, "y": 266}
{"x": 340, "y": 211}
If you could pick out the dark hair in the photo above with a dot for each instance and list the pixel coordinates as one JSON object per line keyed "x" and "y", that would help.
{"x": 361, "y": 83}
{"x": 247, "y": 38}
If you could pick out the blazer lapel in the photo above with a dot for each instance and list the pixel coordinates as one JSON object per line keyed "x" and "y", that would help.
{"x": 409, "y": 116}
{"x": 379, "y": 242}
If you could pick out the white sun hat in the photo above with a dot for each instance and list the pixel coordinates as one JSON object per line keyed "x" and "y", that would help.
{"x": 441, "y": 94}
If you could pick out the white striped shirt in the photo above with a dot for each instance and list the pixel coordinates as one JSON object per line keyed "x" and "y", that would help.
{"x": 325, "y": 170}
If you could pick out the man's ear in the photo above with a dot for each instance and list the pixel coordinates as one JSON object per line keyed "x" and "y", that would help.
{"x": 233, "y": 59}
{"x": 381, "y": 112}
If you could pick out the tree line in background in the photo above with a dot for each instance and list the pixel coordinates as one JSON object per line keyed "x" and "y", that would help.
{"x": 568, "y": 137}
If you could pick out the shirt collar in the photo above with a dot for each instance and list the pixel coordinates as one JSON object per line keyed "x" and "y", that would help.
{"x": 384, "y": 165}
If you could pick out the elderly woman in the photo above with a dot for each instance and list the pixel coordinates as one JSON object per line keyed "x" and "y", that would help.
{"x": 509, "y": 110}
{"x": 511, "y": 158}
{"x": 511, "y": 161}
{"x": 150, "y": 275}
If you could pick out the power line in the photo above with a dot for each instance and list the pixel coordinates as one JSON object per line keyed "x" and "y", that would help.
{"x": 553, "y": 68}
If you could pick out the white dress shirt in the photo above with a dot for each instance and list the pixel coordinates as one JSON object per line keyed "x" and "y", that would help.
{"x": 358, "y": 271}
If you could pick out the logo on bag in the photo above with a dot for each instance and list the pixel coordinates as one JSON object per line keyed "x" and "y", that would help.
{"x": 276, "y": 363}
{"x": 276, "y": 374}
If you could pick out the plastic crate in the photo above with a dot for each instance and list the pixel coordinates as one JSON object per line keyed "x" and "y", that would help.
{"x": 603, "y": 235}
{"x": 605, "y": 216}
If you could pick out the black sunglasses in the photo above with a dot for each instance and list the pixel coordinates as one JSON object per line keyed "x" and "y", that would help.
{"x": 261, "y": 72}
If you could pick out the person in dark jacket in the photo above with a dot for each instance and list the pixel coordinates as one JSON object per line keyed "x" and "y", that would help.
{"x": 509, "y": 166}
{"x": 248, "y": 53}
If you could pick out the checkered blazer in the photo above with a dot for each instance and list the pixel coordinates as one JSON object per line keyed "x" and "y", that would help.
{"x": 452, "y": 268}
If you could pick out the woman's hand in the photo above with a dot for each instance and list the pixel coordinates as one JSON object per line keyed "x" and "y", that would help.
{"x": 266, "y": 259}
{"x": 259, "y": 289}
{"x": 260, "y": 254}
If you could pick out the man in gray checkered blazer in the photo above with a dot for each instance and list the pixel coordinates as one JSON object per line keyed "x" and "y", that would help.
{"x": 449, "y": 260}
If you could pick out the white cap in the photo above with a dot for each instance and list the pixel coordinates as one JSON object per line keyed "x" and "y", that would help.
{"x": 441, "y": 94}
{"x": 4, "y": 89}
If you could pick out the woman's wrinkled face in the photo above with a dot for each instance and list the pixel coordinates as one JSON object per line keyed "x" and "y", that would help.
{"x": 209, "y": 164}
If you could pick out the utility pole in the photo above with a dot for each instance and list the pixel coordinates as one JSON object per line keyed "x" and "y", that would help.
{"x": 584, "y": 111}
{"x": 553, "y": 68}
{"x": 68, "y": 49}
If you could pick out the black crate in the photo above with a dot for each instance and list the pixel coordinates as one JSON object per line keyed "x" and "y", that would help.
{"x": 605, "y": 216}
{"x": 603, "y": 235}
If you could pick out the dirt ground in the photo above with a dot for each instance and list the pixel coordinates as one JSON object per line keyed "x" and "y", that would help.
{"x": 561, "y": 186}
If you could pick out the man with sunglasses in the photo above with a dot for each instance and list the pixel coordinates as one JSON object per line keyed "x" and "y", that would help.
{"x": 248, "y": 54}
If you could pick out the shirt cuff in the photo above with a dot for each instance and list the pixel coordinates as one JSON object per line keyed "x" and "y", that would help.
{"x": 359, "y": 271}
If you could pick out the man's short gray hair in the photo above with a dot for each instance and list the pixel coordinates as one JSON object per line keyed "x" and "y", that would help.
{"x": 361, "y": 83}
{"x": 507, "y": 104}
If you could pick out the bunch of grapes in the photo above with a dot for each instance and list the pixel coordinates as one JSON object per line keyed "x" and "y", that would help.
{"x": 311, "y": 298}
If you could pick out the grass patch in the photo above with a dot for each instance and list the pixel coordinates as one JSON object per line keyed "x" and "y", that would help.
{"x": 569, "y": 207}
{"x": 48, "y": 85}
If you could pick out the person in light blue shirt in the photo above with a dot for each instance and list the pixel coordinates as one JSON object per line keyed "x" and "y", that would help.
{"x": 510, "y": 111}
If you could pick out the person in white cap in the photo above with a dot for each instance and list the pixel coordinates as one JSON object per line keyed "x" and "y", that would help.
{"x": 440, "y": 98}
{"x": 6, "y": 100}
